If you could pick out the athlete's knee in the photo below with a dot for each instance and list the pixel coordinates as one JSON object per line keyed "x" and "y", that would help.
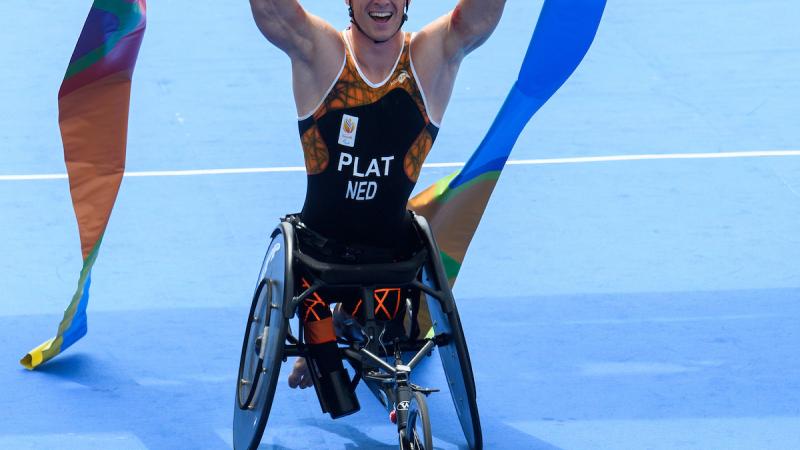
{"x": 314, "y": 307}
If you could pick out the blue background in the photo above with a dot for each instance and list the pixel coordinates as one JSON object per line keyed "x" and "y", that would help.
{"x": 608, "y": 305}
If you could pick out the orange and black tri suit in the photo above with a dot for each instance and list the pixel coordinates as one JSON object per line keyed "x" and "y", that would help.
{"x": 364, "y": 146}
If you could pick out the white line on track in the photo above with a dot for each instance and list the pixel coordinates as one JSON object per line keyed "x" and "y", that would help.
{"x": 517, "y": 162}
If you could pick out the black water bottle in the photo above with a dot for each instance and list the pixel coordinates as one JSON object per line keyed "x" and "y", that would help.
{"x": 331, "y": 381}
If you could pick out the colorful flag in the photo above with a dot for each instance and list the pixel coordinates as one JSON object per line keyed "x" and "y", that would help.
{"x": 455, "y": 204}
{"x": 93, "y": 116}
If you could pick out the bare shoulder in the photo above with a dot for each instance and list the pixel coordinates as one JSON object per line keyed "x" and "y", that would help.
{"x": 430, "y": 40}
{"x": 291, "y": 28}
{"x": 438, "y": 49}
{"x": 436, "y": 67}
{"x": 322, "y": 41}
{"x": 315, "y": 48}
{"x": 315, "y": 71}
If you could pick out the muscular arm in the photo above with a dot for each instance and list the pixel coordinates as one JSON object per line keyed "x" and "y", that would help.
{"x": 286, "y": 24}
{"x": 439, "y": 47}
{"x": 312, "y": 44}
{"x": 468, "y": 26}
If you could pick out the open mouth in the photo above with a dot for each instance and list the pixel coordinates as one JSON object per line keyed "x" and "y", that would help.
{"x": 381, "y": 17}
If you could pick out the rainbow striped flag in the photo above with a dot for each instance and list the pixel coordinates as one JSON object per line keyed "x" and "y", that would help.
{"x": 455, "y": 204}
{"x": 93, "y": 105}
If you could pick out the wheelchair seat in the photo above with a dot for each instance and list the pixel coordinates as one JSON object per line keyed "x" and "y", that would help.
{"x": 395, "y": 273}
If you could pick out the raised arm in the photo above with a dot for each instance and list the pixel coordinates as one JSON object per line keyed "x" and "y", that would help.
{"x": 439, "y": 47}
{"x": 287, "y": 25}
{"x": 314, "y": 46}
{"x": 468, "y": 26}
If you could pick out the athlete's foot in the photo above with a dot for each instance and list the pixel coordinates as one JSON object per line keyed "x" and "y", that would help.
{"x": 344, "y": 325}
{"x": 300, "y": 376}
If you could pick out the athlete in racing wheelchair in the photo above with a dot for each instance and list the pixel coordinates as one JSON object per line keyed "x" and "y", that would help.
{"x": 382, "y": 355}
{"x": 369, "y": 113}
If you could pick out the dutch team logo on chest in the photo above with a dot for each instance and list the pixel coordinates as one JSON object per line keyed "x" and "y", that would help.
{"x": 347, "y": 132}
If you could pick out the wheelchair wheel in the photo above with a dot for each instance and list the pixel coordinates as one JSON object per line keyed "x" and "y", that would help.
{"x": 417, "y": 434}
{"x": 454, "y": 353}
{"x": 262, "y": 349}
{"x": 457, "y": 369}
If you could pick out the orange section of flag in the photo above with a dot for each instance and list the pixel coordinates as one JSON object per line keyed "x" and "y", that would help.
{"x": 94, "y": 150}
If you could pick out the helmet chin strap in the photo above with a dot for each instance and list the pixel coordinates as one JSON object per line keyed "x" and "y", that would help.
{"x": 353, "y": 21}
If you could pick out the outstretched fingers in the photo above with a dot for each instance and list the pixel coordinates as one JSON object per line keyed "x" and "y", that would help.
{"x": 300, "y": 376}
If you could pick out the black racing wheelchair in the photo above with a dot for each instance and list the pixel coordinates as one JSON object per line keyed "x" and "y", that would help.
{"x": 384, "y": 364}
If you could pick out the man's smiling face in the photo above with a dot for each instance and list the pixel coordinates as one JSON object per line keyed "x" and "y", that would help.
{"x": 379, "y": 19}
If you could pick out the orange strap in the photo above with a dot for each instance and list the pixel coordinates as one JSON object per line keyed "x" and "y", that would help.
{"x": 320, "y": 332}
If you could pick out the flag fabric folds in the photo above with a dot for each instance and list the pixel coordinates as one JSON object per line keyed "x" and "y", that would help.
{"x": 455, "y": 204}
{"x": 93, "y": 104}
{"x": 93, "y": 117}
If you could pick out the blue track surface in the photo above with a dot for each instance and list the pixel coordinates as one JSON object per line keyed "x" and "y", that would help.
{"x": 608, "y": 305}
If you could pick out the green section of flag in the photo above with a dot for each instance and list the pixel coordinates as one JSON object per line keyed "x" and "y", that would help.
{"x": 451, "y": 266}
{"x": 76, "y": 299}
{"x": 491, "y": 175}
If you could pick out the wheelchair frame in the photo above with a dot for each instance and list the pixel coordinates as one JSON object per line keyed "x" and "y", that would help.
{"x": 268, "y": 339}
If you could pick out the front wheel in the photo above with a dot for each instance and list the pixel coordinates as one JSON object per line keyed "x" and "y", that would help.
{"x": 417, "y": 433}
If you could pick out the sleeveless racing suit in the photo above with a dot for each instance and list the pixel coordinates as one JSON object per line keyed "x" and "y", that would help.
{"x": 364, "y": 146}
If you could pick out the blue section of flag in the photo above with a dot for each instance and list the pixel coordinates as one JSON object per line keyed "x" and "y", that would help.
{"x": 498, "y": 142}
{"x": 564, "y": 32}
{"x": 94, "y": 36}
{"x": 78, "y": 326}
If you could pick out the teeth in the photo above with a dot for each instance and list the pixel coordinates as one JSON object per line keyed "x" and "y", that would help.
{"x": 381, "y": 15}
